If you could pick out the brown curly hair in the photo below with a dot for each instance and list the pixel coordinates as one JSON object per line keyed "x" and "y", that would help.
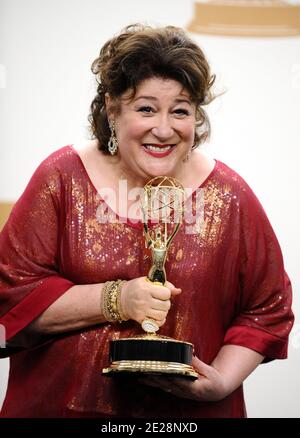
{"x": 140, "y": 52}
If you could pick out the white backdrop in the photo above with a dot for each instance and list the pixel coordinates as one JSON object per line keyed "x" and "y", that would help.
{"x": 46, "y": 48}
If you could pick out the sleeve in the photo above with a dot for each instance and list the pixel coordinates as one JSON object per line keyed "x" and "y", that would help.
{"x": 30, "y": 280}
{"x": 264, "y": 317}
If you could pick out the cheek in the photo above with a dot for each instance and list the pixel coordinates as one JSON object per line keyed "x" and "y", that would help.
{"x": 188, "y": 131}
{"x": 134, "y": 130}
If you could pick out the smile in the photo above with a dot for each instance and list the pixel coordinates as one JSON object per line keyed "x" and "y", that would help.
{"x": 158, "y": 150}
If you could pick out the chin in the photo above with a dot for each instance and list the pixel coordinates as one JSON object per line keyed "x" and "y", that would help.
{"x": 160, "y": 168}
{"x": 159, "y": 171}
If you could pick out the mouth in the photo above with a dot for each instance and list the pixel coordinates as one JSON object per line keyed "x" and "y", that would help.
{"x": 158, "y": 150}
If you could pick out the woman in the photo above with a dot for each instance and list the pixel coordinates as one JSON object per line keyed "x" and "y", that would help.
{"x": 66, "y": 245}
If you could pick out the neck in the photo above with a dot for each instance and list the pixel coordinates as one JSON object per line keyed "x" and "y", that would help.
{"x": 121, "y": 172}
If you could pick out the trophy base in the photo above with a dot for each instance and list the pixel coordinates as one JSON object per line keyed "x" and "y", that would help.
{"x": 150, "y": 367}
{"x": 150, "y": 354}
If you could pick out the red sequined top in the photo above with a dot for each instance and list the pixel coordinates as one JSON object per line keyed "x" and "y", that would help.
{"x": 230, "y": 269}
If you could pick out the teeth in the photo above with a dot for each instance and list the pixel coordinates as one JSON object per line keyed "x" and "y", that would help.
{"x": 157, "y": 149}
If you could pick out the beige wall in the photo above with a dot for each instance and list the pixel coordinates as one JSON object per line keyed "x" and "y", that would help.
{"x": 5, "y": 209}
{"x": 246, "y": 17}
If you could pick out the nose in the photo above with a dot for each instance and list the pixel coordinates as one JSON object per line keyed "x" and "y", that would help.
{"x": 163, "y": 129}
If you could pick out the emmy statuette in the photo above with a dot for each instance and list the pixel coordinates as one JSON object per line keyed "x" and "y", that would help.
{"x": 150, "y": 353}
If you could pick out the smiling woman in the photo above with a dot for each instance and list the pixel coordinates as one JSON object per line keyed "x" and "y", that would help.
{"x": 155, "y": 134}
{"x": 70, "y": 282}
{"x": 128, "y": 59}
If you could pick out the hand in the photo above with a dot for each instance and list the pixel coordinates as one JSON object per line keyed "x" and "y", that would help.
{"x": 141, "y": 299}
{"x": 210, "y": 385}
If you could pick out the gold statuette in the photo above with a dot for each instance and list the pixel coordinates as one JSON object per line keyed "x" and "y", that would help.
{"x": 162, "y": 206}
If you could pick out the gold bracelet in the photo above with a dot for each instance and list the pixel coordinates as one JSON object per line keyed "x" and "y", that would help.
{"x": 119, "y": 306}
{"x": 105, "y": 297}
{"x": 111, "y": 301}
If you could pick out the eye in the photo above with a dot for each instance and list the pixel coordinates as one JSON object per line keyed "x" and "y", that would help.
{"x": 181, "y": 112}
{"x": 146, "y": 109}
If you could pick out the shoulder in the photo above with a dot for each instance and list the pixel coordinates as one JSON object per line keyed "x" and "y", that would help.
{"x": 247, "y": 205}
{"x": 67, "y": 159}
{"x": 59, "y": 158}
{"x": 227, "y": 175}
{"x": 232, "y": 190}
{"x": 232, "y": 180}
{"x": 54, "y": 170}
{"x": 217, "y": 174}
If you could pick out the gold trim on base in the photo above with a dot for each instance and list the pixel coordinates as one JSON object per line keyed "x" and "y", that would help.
{"x": 151, "y": 367}
{"x": 152, "y": 337}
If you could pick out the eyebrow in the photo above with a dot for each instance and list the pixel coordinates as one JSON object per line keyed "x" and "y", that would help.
{"x": 177, "y": 100}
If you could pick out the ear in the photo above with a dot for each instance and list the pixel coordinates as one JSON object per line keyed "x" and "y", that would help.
{"x": 109, "y": 106}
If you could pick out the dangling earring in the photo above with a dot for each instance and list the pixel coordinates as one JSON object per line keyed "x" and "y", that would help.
{"x": 113, "y": 141}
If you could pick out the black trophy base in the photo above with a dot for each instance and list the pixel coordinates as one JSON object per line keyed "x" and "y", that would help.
{"x": 150, "y": 354}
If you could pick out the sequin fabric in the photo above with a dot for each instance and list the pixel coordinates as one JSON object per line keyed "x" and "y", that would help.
{"x": 228, "y": 264}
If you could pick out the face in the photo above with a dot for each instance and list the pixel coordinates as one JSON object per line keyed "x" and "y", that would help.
{"x": 155, "y": 129}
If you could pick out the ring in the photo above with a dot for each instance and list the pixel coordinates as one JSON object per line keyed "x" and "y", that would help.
{"x": 149, "y": 325}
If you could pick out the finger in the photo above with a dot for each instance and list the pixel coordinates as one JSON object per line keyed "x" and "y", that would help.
{"x": 175, "y": 292}
{"x": 150, "y": 381}
{"x": 181, "y": 383}
{"x": 163, "y": 305}
{"x": 171, "y": 286}
{"x": 173, "y": 289}
{"x": 176, "y": 386}
{"x": 157, "y": 382}
{"x": 157, "y": 315}
{"x": 161, "y": 293}
{"x": 201, "y": 367}
{"x": 161, "y": 322}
